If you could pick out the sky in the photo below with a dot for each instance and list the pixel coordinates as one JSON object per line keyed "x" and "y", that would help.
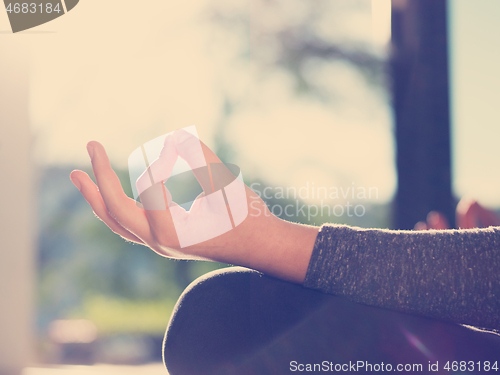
{"x": 123, "y": 75}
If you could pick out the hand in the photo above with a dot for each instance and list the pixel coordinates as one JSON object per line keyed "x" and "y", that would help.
{"x": 469, "y": 214}
{"x": 262, "y": 241}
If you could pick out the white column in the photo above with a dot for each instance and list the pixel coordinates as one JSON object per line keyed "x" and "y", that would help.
{"x": 17, "y": 210}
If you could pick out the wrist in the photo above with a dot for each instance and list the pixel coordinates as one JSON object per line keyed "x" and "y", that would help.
{"x": 283, "y": 249}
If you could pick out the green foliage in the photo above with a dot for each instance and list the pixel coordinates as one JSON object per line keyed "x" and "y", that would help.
{"x": 113, "y": 315}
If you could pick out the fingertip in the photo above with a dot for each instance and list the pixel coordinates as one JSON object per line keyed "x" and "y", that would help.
{"x": 421, "y": 225}
{"x": 433, "y": 216}
{"x": 93, "y": 143}
{"x": 91, "y": 147}
{"x": 78, "y": 174}
{"x": 80, "y": 179}
{"x": 466, "y": 202}
{"x": 437, "y": 220}
{"x": 75, "y": 180}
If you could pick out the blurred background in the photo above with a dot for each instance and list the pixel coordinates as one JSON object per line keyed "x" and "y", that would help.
{"x": 300, "y": 94}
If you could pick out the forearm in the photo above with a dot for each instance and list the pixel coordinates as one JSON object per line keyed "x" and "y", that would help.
{"x": 272, "y": 246}
{"x": 284, "y": 250}
{"x": 451, "y": 275}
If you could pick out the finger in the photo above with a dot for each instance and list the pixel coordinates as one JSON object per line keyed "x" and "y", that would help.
{"x": 160, "y": 169}
{"x": 487, "y": 217}
{"x": 155, "y": 198}
{"x": 208, "y": 169}
{"x": 436, "y": 220}
{"x": 91, "y": 194}
{"x": 466, "y": 213}
{"x": 120, "y": 207}
{"x": 160, "y": 220}
{"x": 211, "y": 173}
{"x": 421, "y": 225}
{"x": 188, "y": 147}
{"x": 220, "y": 178}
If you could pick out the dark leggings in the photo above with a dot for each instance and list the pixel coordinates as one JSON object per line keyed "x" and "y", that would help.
{"x": 238, "y": 321}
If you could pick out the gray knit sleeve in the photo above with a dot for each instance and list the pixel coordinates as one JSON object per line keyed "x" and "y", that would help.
{"x": 452, "y": 275}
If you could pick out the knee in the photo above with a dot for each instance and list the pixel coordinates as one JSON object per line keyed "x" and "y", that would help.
{"x": 210, "y": 323}
{"x": 225, "y": 317}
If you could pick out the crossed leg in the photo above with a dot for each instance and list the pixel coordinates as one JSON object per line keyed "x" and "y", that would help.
{"x": 238, "y": 321}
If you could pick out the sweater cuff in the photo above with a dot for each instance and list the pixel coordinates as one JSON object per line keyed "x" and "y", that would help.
{"x": 323, "y": 257}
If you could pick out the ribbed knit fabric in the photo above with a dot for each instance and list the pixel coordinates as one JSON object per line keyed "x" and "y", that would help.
{"x": 452, "y": 275}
